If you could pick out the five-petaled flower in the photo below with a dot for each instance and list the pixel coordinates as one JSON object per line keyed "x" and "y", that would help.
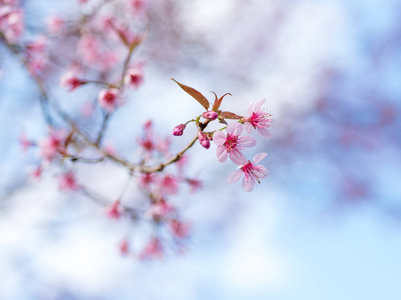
{"x": 252, "y": 173}
{"x": 258, "y": 119}
{"x": 134, "y": 77}
{"x": 232, "y": 144}
{"x": 109, "y": 99}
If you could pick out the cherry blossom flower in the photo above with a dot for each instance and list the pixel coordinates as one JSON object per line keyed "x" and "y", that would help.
{"x": 169, "y": 185}
{"x": 145, "y": 180}
{"x": 114, "y": 210}
{"x": 211, "y": 115}
{"x": 70, "y": 81}
{"x": 163, "y": 145}
{"x": 134, "y": 77}
{"x": 203, "y": 140}
{"x": 11, "y": 22}
{"x": 36, "y": 174}
{"x": 88, "y": 48}
{"x": 153, "y": 249}
{"x": 52, "y": 145}
{"x": 68, "y": 182}
{"x": 179, "y": 229}
{"x": 109, "y": 99}
{"x": 258, "y": 118}
{"x": 160, "y": 209}
{"x": 232, "y": 144}
{"x": 252, "y": 173}
{"x": 179, "y": 130}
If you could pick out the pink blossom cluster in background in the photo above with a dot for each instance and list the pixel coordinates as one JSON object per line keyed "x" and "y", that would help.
{"x": 93, "y": 53}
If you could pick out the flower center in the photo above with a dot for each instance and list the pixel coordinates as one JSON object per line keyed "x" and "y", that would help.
{"x": 231, "y": 142}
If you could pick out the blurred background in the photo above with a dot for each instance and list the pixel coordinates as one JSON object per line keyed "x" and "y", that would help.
{"x": 325, "y": 224}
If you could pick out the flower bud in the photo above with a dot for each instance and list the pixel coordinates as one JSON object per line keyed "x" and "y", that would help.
{"x": 179, "y": 129}
{"x": 70, "y": 81}
{"x": 211, "y": 115}
{"x": 203, "y": 140}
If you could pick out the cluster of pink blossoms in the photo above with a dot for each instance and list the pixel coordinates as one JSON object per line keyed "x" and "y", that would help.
{"x": 232, "y": 144}
{"x": 99, "y": 53}
{"x": 11, "y": 20}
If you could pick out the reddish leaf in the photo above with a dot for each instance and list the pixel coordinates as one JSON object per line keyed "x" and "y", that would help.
{"x": 230, "y": 115}
{"x": 217, "y": 103}
{"x": 195, "y": 94}
{"x": 222, "y": 121}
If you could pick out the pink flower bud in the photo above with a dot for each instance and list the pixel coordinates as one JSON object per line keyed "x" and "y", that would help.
{"x": 70, "y": 81}
{"x": 179, "y": 129}
{"x": 211, "y": 115}
{"x": 203, "y": 140}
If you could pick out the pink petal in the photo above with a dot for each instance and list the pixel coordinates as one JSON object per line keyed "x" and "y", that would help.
{"x": 237, "y": 157}
{"x": 264, "y": 132}
{"x": 234, "y": 176}
{"x": 260, "y": 172}
{"x": 235, "y": 128}
{"x": 250, "y": 108}
{"x": 247, "y": 141}
{"x": 248, "y": 184}
{"x": 259, "y": 104}
{"x": 258, "y": 157}
{"x": 221, "y": 153}
{"x": 219, "y": 138}
{"x": 248, "y": 127}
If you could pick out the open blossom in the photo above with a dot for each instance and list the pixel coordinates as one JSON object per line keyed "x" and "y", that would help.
{"x": 145, "y": 180}
{"x": 68, "y": 182}
{"x": 109, "y": 99}
{"x": 11, "y": 22}
{"x": 258, "y": 119}
{"x": 153, "y": 249}
{"x": 37, "y": 173}
{"x": 134, "y": 77}
{"x": 52, "y": 145}
{"x": 169, "y": 185}
{"x": 252, "y": 173}
{"x": 179, "y": 229}
{"x": 160, "y": 209}
{"x": 70, "y": 81}
{"x": 232, "y": 143}
{"x": 114, "y": 210}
